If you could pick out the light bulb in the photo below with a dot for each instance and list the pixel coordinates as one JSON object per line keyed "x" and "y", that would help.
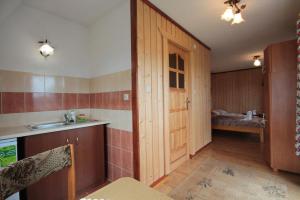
{"x": 257, "y": 62}
{"x": 46, "y": 50}
{"x": 237, "y": 18}
{"x": 228, "y": 14}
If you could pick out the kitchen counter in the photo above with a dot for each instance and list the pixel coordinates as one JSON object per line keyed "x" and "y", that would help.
{"x": 23, "y": 131}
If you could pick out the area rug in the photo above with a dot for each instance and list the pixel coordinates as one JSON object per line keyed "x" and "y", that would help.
{"x": 216, "y": 179}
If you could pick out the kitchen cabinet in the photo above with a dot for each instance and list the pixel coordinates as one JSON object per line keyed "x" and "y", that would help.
{"x": 89, "y": 158}
{"x": 90, "y": 167}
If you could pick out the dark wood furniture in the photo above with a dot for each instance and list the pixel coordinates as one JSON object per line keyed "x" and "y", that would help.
{"x": 280, "y": 106}
{"x": 89, "y": 161}
{"x": 241, "y": 129}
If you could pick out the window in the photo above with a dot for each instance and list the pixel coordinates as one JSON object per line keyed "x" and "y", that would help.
{"x": 181, "y": 81}
{"x": 180, "y": 63}
{"x": 173, "y": 79}
{"x": 176, "y": 71}
{"x": 173, "y": 61}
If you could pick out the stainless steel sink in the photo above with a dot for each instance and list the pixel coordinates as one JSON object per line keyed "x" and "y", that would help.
{"x": 47, "y": 125}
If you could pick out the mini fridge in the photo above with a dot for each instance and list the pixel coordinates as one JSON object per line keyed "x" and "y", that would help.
{"x": 8, "y": 155}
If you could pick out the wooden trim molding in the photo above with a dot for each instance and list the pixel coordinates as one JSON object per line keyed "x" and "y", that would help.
{"x": 151, "y": 5}
{"x": 200, "y": 150}
{"x": 166, "y": 106}
{"x": 174, "y": 40}
{"x": 134, "y": 80}
{"x": 158, "y": 181}
{"x": 237, "y": 70}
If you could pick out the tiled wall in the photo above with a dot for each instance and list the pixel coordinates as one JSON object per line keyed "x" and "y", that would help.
{"x": 120, "y": 154}
{"x": 12, "y": 81}
{"x": 32, "y": 98}
{"x": 22, "y": 92}
{"x": 111, "y": 100}
{"x": 25, "y": 92}
{"x": 107, "y": 99}
{"x": 107, "y": 102}
{"x": 20, "y": 102}
{"x": 27, "y": 98}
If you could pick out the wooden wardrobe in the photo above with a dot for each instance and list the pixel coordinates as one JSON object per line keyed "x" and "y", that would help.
{"x": 280, "y": 106}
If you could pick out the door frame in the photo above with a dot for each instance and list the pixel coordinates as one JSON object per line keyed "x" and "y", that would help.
{"x": 168, "y": 38}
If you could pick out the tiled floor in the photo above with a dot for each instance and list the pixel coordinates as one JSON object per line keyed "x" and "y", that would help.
{"x": 231, "y": 167}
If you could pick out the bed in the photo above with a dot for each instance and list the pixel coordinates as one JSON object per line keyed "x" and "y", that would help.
{"x": 222, "y": 120}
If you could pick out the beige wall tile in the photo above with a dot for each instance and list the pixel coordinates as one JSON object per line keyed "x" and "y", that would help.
{"x": 84, "y": 85}
{"x": 54, "y": 84}
{"x": 76, "y": 85}
{"x": 34, "y": 83}
{"x": 119, "y": 81}
{"x": 11, "y": 81}
{"x": 21, "y": 119}
{"x": 119, "y": 119}
{"x": 125, "y": 80}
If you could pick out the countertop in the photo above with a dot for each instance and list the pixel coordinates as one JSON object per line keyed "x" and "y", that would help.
{"x": 23, "y": 131}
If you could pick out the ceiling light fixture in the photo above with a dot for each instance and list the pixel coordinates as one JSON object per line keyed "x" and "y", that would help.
{"x": 233, "y": 12}
{"x": 257, "y": 62}
{"x": 46, "y": 49}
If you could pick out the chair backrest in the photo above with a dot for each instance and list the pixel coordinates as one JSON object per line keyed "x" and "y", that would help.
{"x": 23, "y": 173}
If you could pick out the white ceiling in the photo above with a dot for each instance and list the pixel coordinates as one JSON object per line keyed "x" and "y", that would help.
{"x": 233, "y": 46}
{"x": 84, "y": 12}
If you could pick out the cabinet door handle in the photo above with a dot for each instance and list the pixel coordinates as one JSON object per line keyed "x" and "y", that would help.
{"x": 67, "y": 140}
{"x": 77, "y": 140}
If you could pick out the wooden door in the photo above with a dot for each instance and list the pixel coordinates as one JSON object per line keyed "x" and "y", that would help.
{"x": 89, "y": 158}
{"x": 54, "y": 186}
{"x": 178, "y": 105}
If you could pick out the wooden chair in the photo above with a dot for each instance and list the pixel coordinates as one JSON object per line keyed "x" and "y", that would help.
{"x": 30, "y": 170}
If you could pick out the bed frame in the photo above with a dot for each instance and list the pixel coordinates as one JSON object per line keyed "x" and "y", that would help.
{"x": 243, "y": 129}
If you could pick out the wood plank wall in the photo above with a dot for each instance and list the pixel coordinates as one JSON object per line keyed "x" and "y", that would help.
{"x": 201, "y": 99}
{"x": 150, "y": 25}
{"x": 238, "y": 91}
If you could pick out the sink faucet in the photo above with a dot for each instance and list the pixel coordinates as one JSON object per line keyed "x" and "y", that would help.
{"x": 70, "y": 117}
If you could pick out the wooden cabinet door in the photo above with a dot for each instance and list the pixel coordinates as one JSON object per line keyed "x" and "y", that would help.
{"x": 280, "y": 101}
{"x": 89, "y": 162}
{"x": 55, "y": 185}
{"x": 89, "y": 158}
{"x": 267, "y": 136}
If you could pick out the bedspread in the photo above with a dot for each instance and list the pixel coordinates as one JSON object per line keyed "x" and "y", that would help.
{"x": 256, "y": 122}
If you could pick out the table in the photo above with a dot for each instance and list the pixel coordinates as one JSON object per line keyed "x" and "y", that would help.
{"x": 126, "y": 189}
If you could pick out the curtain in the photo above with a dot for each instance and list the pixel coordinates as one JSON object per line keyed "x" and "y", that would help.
{"x": 298, "y": 92}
